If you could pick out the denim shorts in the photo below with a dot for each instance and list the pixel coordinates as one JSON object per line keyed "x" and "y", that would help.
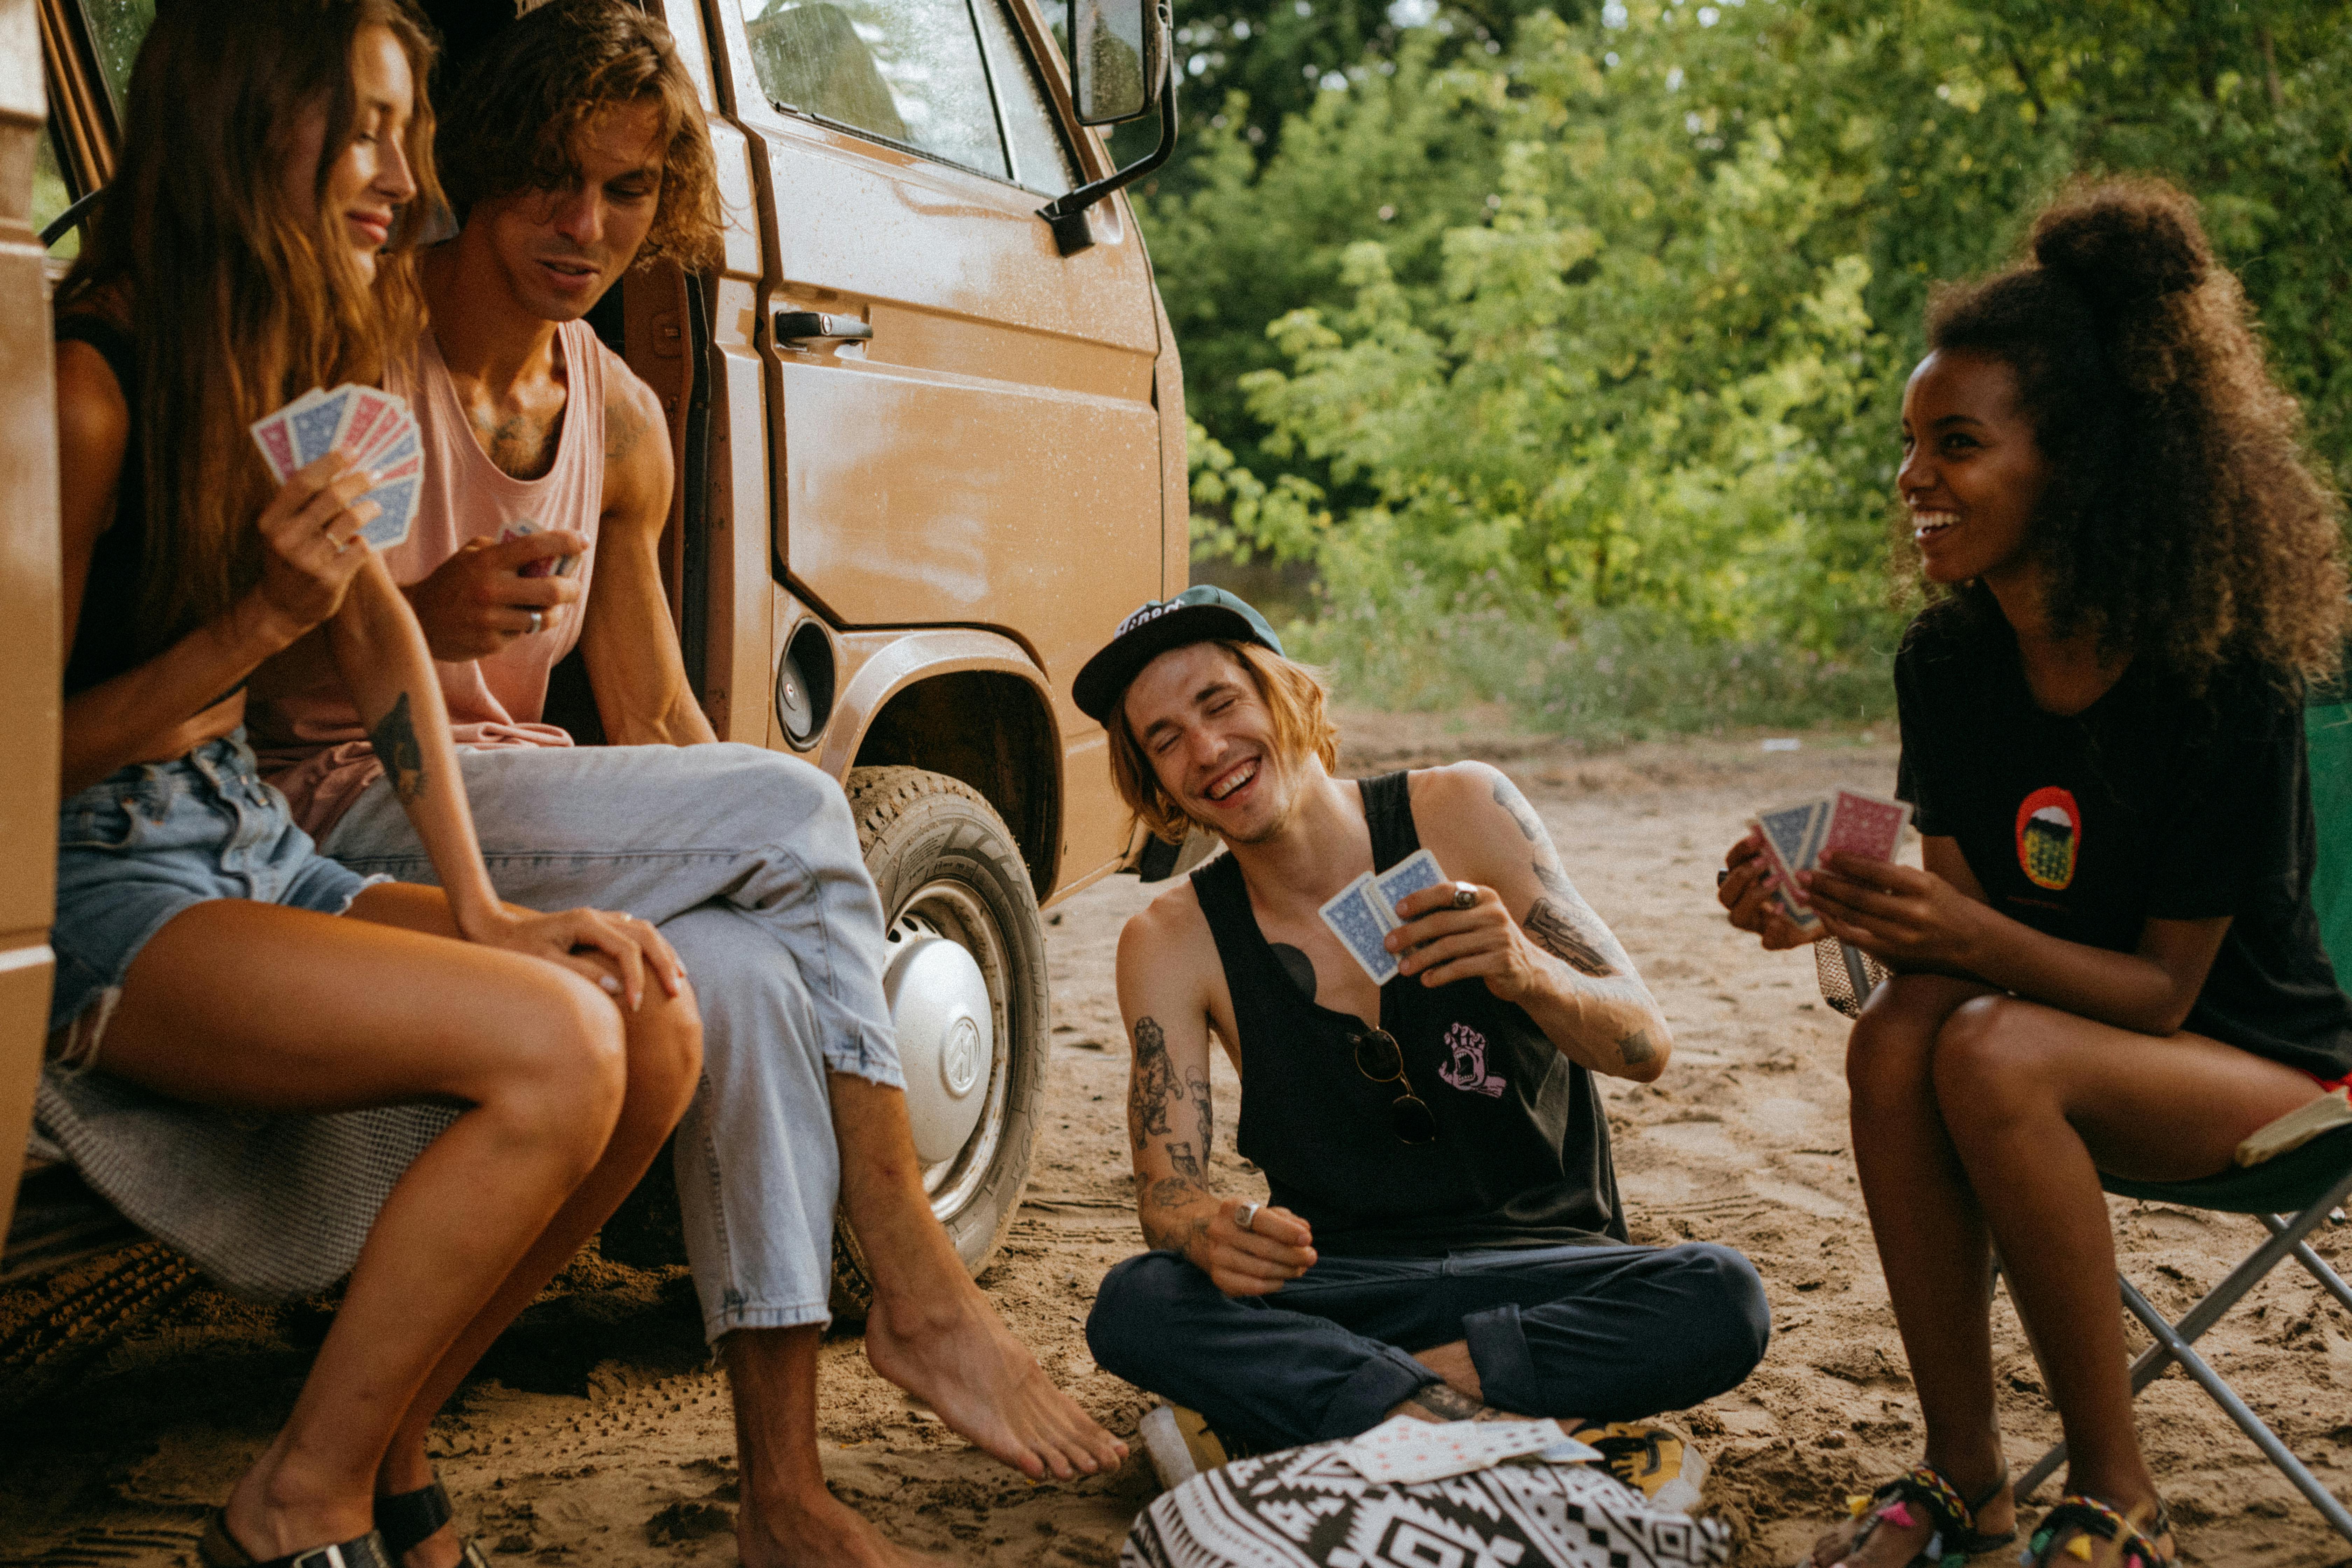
{"x": 149, "y": 840}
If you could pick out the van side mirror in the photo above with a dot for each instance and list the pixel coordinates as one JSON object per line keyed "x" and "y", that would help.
{"x": 1120, "y": 68}
{"x": 1116, "y": 52}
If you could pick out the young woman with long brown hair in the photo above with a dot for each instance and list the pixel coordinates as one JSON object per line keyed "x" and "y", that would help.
{"x": 2110, "y": 961}
{"x": 285, "y": 1070}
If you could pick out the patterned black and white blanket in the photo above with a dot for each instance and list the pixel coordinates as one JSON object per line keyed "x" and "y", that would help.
{"x": 1307, "y": 1508}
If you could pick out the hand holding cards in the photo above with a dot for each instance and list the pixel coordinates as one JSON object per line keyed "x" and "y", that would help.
{"x": 1850, "y": 822}
{"x": 374, "y": 430}
{"x": 1364, "y": 913}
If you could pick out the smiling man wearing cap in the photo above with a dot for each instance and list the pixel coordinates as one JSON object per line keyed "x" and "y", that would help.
{"x": 1445, "y": 1237}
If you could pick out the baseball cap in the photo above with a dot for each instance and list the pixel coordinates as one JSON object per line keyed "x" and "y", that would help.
{"x": 1199, "y": 614}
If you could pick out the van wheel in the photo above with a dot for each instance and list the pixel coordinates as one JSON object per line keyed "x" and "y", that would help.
{"x": 965, "y": 979}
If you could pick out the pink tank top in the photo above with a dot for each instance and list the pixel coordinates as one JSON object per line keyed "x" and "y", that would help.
{"x": 311, "y": 743}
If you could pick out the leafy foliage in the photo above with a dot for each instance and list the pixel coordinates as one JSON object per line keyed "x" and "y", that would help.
{"x": 1611, "y": 327}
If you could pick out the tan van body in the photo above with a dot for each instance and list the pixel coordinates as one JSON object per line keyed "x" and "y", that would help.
{"x": 905, "y": 516}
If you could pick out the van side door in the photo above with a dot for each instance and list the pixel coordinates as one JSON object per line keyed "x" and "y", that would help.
{"x": 967, "y": 434}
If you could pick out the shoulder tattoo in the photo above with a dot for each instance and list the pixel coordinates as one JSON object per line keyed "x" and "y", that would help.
{"x": 1507, "y": 797}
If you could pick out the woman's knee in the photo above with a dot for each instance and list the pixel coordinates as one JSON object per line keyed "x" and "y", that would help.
{"x": 664, "y": 1047}
{"x": 566, "y": 1072}
{"x": 1987, "y": 1058}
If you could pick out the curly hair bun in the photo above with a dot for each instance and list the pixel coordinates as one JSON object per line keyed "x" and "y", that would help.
{"x": 2125, "y": 243}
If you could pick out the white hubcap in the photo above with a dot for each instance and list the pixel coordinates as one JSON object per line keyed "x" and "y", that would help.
{"x": 939, "y": 1006}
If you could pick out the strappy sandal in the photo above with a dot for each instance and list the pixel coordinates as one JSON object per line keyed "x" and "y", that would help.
{"x": 1923, "y": 1495}
{"x": 219, "y": 1548}
{"x": 2089, "y": 1519}
{"x": 406, "y": 1519}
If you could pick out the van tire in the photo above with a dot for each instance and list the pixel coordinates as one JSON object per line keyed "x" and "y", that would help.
{"x": 938, "y": 851}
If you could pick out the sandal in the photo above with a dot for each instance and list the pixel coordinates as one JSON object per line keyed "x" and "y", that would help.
{"x": 1923, "y": 1495}
{"x": 219, "y": 1548}
{"x": 406, "y": 1519}
{"x": 2090, "y": 1517}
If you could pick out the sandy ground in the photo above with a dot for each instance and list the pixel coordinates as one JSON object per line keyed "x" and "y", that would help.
{"x": 600, "y": 1434}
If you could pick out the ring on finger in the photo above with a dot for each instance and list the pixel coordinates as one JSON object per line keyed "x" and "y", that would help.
{"x": 538, "y": 622}
{"x": 1246, "y": 1216}
{"x": 1465, "y": 894}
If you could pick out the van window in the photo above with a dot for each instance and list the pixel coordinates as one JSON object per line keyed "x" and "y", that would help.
{"x": 117, "y": 28}
{"x": 50, "y": 198}
{"x": 1040, "y": 160}
{"x": 907, "y": 71}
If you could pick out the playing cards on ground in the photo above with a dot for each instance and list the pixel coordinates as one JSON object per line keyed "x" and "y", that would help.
{"x": 374, "y": 430}
{"x": 1365, "y": 911}
{"x": 1850, "y": 822}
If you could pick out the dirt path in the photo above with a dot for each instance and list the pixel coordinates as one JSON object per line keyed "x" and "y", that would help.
{"x": 602, "y": 1436}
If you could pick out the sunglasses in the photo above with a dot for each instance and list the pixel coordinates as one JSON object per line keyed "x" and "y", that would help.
{"x": 1378, "y": 1059}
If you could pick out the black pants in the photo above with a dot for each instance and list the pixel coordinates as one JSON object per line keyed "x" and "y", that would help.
{"x": 1609, "y": 1333}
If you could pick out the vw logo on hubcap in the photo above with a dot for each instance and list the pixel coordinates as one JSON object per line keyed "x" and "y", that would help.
{"x": 959, "y": 1055}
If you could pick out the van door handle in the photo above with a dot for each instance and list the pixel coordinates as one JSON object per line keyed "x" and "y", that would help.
{"x": 815, "y": 326}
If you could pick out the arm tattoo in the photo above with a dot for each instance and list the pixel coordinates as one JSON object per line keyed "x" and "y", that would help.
{"x": 1199, "y": 1088}
{"x": 1507, "y": 797}
{"x": 1635, "y": 1049}
{"x": 1557, "y": 935}
{"x": 1180, "y": 1156}
{"x": 1297, "y": 966}
{"x": 1153, "y": 1088}
{"x": 396, "y": 748}
{"x": 1170, "y": 1233}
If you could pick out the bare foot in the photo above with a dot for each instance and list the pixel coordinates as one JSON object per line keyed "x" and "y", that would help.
{"x": 819, "y": 1531}
{"x": 1893, "y": 1546}
{"x": 958, "y": 1356}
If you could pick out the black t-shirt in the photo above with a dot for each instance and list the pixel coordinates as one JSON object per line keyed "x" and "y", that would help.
{"x": 2148, "y": 804}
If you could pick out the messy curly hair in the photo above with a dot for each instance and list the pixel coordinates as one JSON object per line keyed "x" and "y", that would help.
{"x": 508, "y": 125}
{"x": 2183, "y": 520}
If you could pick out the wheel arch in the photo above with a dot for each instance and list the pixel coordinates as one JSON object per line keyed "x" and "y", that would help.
{"x": 968, "y": 703}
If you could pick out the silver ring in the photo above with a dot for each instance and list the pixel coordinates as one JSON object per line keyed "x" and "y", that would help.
{"x": 538, "y": 622}
{"x": 1246, "y": 1216}
{"x": 1465, "y": 894}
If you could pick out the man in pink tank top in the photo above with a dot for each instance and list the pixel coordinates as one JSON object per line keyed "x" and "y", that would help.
{"x": 746, "y": 859}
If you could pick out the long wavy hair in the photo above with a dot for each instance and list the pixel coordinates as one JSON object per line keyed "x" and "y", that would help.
{"x": 2183, "y": 520}
{"x": 237, "y": 304}
{"x": 1294, "y": 697}
{"x": 542, "y": 77}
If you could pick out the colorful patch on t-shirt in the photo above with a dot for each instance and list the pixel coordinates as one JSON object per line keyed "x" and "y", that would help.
{"x": 1465, "y": 1064}
{"x": 2049, "y": 837}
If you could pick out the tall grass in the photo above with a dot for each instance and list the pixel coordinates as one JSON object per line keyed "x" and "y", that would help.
{"x": 1618, "y": 676}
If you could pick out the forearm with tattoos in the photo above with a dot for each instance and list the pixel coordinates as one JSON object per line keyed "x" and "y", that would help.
{"x": 1597, "y": 1010}
{"x": 1173, "y": 1200}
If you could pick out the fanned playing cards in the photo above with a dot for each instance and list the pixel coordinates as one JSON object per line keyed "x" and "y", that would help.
{"x": 1850, "y": 822}
{"x": 375, "y": 429}
{"x": 1364, "y": 913}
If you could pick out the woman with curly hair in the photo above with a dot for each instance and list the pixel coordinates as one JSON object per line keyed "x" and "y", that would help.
{"x": 2110, "y": 961}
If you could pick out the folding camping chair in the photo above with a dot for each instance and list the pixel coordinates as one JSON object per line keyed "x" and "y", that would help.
{"x": 2313, "y": 1181}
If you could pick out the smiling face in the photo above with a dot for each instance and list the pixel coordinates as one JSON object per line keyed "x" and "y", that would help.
{"x": 369, "y": 181}
{"x": 1201, "y": 722}
{"x": 559, "y": 249}
{"x": 1972, "y": 475}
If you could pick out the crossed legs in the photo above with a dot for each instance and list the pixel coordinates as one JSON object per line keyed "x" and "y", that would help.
{"x": 282, "y": 1010}
{"x": 1981, "y": 1122}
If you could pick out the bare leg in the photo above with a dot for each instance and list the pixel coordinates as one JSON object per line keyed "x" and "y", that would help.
{"x": 665, "y": 1054}
{"x": 931, "y": 1330}
{"x": 788, "y": 1518}
{"x": 2038, "y": 1103}
{"x": 358, "y": 1015}
{"x": 1934, "y": 1248}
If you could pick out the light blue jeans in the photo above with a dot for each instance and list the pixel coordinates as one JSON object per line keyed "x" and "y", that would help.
{"x": 748, "y": 862}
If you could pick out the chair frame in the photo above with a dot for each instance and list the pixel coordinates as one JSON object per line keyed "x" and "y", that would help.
{"x": 2175, "y": 1342}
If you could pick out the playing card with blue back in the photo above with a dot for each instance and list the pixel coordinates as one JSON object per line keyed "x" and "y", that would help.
{"x": 1362, "y": 923}
{"x": 1407, "y": 877}
{"x": 316, "y": 426}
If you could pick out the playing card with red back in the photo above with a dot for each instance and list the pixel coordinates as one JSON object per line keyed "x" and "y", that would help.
{"x": 1863, "y": 824}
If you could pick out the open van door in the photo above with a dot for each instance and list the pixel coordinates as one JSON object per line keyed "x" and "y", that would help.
{"x": 30, "y": 674}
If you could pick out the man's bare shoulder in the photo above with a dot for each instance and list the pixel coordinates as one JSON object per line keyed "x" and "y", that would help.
{"x": 637, "y": 434}
{"x": 1169, "y": 935}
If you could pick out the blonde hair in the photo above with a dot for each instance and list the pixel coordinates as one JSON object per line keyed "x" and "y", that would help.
{"x": 1295, "y": 696}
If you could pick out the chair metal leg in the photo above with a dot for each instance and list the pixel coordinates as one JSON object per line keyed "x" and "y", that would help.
{"x": 2286, "y": 1236}
{"x": 2338, "y": 1516}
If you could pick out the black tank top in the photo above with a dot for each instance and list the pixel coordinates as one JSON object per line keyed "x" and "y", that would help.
{"x": 103, "y": 644}
{"x": 1521, "y": 1157}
